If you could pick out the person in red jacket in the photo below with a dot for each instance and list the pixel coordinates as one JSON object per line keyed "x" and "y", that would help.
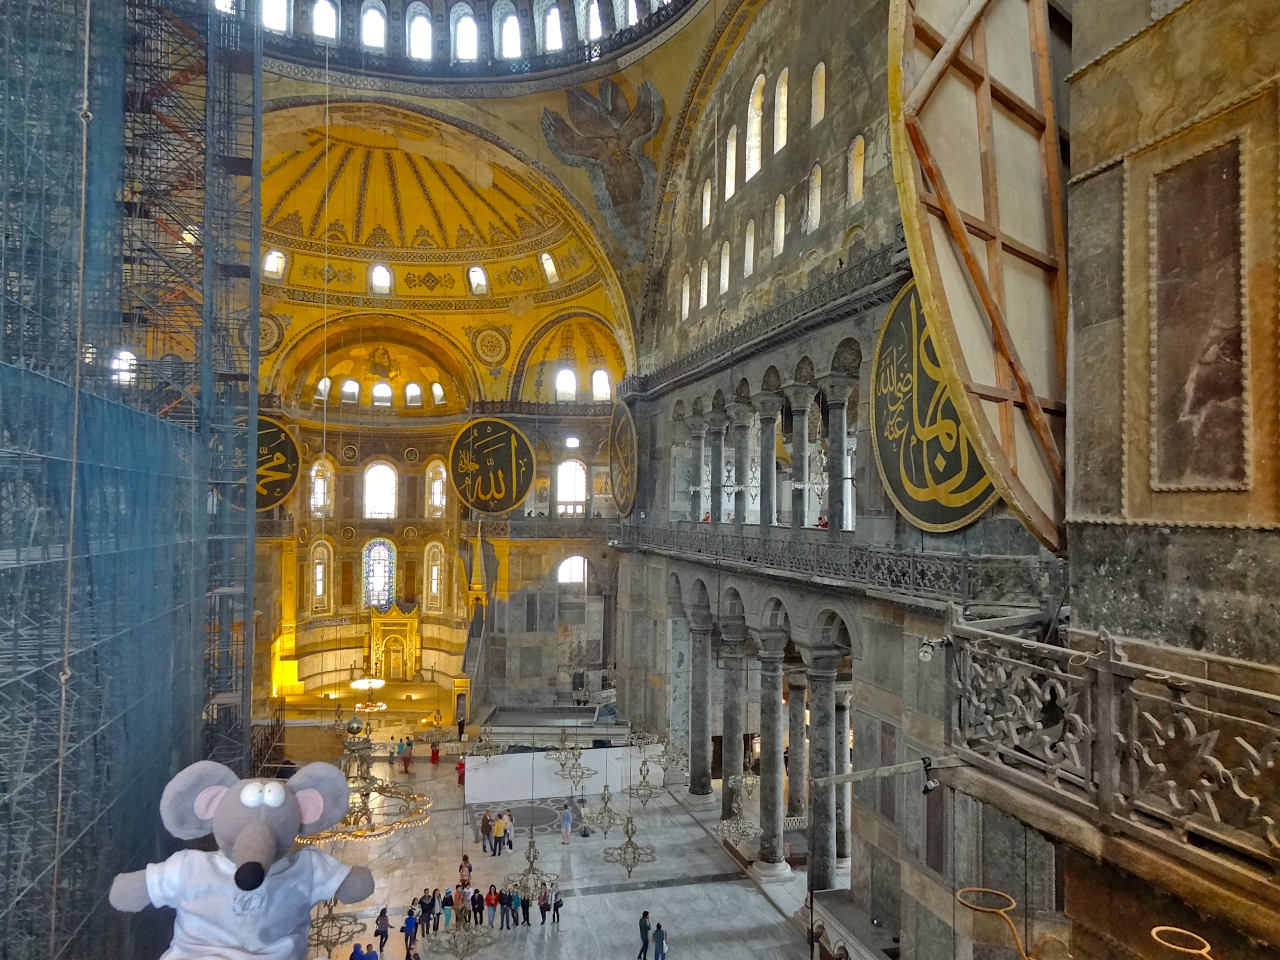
{"x": 462, "y": 769}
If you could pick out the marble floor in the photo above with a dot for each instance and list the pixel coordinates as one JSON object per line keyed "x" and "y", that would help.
{"x": 701, "y": 895}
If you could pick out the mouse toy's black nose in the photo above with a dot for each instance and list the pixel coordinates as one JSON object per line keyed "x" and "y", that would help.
{"x": 249, "y": 876}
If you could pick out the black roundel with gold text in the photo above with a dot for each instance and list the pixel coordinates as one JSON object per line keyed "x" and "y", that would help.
{"x": 491, "y": 465}
{"x": 277, "y": 464}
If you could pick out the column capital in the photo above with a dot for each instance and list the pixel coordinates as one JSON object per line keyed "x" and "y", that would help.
{"x": 824, "y": 664}
{"x": 700, "y": 620}
{"x": 741, "y": 412}
{"x": 769, "y": 404}
{"x": 800, "y": 395}
{"x": 837, "y": 386}
{"x": 797, "y": 678}
{"x": 696, "y": 425}
{"x": 733, "y": 629}
{"x": 717, "y": 420}
{"x": 772, "y": 642}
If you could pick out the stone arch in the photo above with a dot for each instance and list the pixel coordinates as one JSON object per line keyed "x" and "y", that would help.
{"x": 699, "y": 407}
{"x": 804, "y": 371}
{"x": 831, "y": 628}
{"x": 675, "y": 596}
{"x": 731, "y": 604}
{"x": 677, "y": 412}
{"x": 772, "y": 380}
{"x": 848, "y": 357}
{"x": 775, "y": 615}
{"x": 699, "y": 598}
{"x": 742, "y": 391}
{"x": 717, "y": 400}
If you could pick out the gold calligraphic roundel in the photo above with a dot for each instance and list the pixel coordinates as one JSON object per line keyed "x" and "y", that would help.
{"x": 926, "y": 459}
{"x": 622, "y": 459}
{"x": 278, "y": 464}
{"x": 491, "y": 465}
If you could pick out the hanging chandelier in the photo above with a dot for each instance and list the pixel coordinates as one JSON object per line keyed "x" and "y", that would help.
{"x": 462, "y": 940}
{"x": 643, "y": 790}
{"x": 531, "y": 879}
{"x": 564, "y": 751}
{"x": 576, "y": 773}
{"x": 376, "y": 808}
{"x": 604, "y": 818}
{"x": 630, "y": 854}
{"x": 738, "y": 829}
{"x": 487, "y": 746}
{"x": 643, "y": 740}
{"x": 331, "y": 930}
{"x": 671, "y": 760}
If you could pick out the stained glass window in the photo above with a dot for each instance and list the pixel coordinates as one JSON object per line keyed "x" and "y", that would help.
{"x": 379, "y": 572}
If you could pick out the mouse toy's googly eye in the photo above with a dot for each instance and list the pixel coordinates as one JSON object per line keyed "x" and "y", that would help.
{"x": 273, "y": 794}
{"x": 251, "y": 794}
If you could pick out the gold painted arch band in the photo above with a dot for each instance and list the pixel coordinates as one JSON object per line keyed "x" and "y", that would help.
{"x": 926, "y": 460}
{"x": 491, "y": 465}
{"x": 976, "y": 160}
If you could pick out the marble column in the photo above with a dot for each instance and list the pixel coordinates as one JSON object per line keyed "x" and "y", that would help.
{"x": 609, "y": 626}
{"x": 843, "y": 791}
{"x": 678, "y": 685}
{"x": 769, "y": 405}
{"x": 700, "y": 704}
{"x": 717, "y": 421}
{"x": 837, "y": 389}
{"x": 797, "y": 746}
{"x": 742, "y": 414}
{"x": 822, "y": 799}
{"x": 553, "y": 493}
{"x": 733, "y": 634}
{"x": 801, "y": 396}
{"x": 697, "y": 428}
{"x": 771, "y": 864}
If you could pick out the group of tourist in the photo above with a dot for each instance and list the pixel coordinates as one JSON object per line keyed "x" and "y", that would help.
{"x": 497, "y": 832}
{"x": 658, "y": 935}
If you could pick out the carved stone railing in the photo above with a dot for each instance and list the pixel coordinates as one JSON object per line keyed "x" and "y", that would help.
{"x": 1176, "y": 750}
{"x": 936, "y": 576}
{"x": 876, "y": 278}
{"x": 537, "y": 528}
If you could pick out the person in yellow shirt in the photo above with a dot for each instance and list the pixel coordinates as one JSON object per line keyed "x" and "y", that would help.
{"x": 499, "y": 837}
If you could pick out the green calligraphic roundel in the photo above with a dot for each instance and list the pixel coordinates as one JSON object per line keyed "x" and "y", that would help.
{"x": 926, "y": 460}
{"x": 622, "y": 459}
{"x": 491, "y": 465}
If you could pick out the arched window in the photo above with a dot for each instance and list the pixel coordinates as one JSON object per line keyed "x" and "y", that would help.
{"x": 600, "y": 389}
{"x": 749, "y": 253}
{"x": 573, "y": 570}
{"x": 731, "y": 163}
{"x": 381, "y": 394}
{"x": 779, "y": 225}
{"x": 818, "y": 95}
{"x": 704, "y": 291}
{"x": 412, "y": 395}
{"x": 379, "y": 492}
{"x": 549, "y": 268}
{"x": 780, "y": 111}
{"x": 857, "y": 161}
{"x": 684, "y": 298}
{"x": 755, "y": 128}
{"x": 436, "y": 492}
{"x": 321, "y": 574}
{"x": 350, "y": 391}
{"x": 552, "y": 31}
{"x": 724, "y": 267}
{"x": 594, "y": 28}
{"x": 225, "y": 6}
{"x": 275, "y": 15}
{"x": 633, "y": 13}
{"x": 571, "y": 489}
{"x": 437, "y": 394}
{"x": 813, "y": 213}
{"x": 373, "y": 26}
{"x": 706, "y": 202}
{"x": 510, "y": 46}
{"x": 321, "y": 489}
{"x": 324, "y": 20}
{"x": 435, "y": 576}
{"x": 466, "y": 36}
{"x": 124, "y": 368}
{"x": 379, "y": 572}
{"x": 566, "y": 386}
{"x": 322, "y": 389}
{"x": 273, "y": 265}
{"x": 379, "y": 279}
{"x": 418, "y": 33}
{"x": 478, "y": 281}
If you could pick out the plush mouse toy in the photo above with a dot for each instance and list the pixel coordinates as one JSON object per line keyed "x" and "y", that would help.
{"x": 250, "y": 899}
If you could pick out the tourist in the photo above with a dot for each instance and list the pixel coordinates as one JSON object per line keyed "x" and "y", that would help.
{"x": 427, "y": 908}
{"x": 556, "y": 904}
{"x": 410, "y": 928}
{"x": 391, "y": 756}
{"x": 406, "y": 758}
{"x": 499, "y": 837}
{"x": 516, "y": 901}
{"x": 486, "y": 831}
{"x": 462, "y": 899}
{"x": 544, "y": 903}
{"x": 357, "y": 953}
{"x": 510, "y": 832}
{"x": 524, "y": 910}
{"x": 477, "y": 907}
{"x": 504, "y": 908}
{"x": 491, "y": 901}
{"x": 382, "y": 929}
{"x": 659, "y": 943}
{"x": 437, "y": 907}
{"x": 644, "y": 937}
{"x": 566, "y": 823}
{"x": 446, "y": 905}
{"x": 464, "y": 870}
{"x": 369, "y": 952}
{"x": 462, "y": 769}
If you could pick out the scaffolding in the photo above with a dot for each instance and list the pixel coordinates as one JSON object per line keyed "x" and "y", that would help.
{"x": 128, "y": 396}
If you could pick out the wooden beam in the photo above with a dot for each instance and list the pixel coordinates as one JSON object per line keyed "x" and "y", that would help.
{"x": 984, "y": 391}
{"x": 939, "y": 64}
{"x": 995, "y": 317}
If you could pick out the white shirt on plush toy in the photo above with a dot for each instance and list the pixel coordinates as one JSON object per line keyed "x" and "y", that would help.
{"x": 218, "y": 921}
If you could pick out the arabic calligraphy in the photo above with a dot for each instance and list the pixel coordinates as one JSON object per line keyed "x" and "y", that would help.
{"x": 277, "y": 466}
{"x": 622, "y": 459}
{"x": 491, "y": 465}
{"x": 926, "y": 461}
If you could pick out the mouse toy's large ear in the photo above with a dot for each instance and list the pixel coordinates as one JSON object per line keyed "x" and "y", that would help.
{"x": 323, "y": 795}
{"x": 189, "y": 800}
